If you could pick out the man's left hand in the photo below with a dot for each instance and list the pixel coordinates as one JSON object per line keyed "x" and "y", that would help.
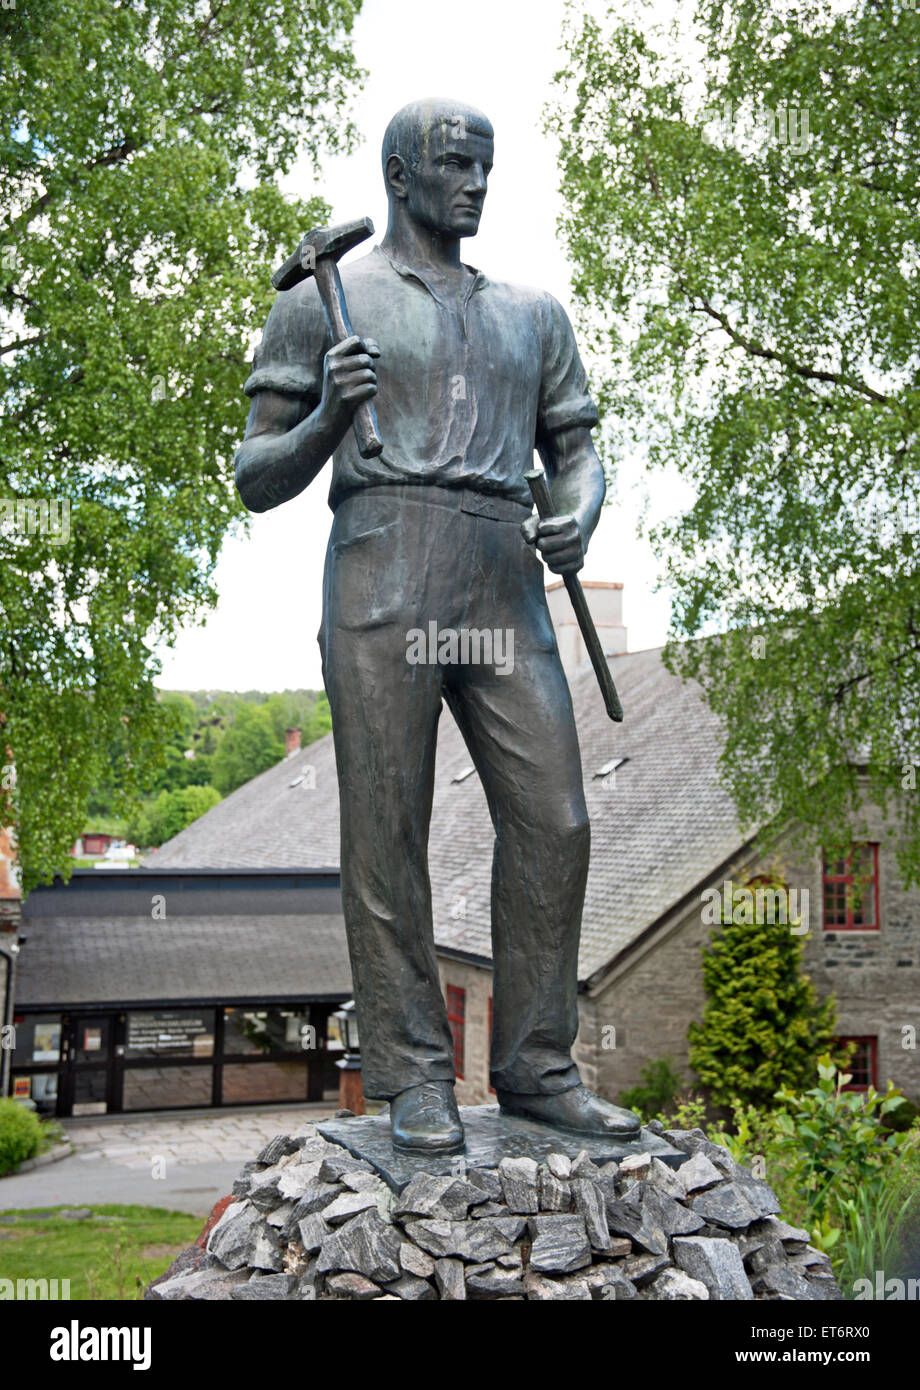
{"x": 559, "y": 541}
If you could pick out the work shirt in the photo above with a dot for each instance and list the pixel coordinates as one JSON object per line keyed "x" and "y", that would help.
{"x": 468, "y": 384}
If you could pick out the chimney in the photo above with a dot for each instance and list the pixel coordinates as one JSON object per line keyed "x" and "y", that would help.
{"x": 605, "y": 603}
{"x": 291, "y": 742}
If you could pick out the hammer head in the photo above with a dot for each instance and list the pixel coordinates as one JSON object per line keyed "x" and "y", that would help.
{"x": 322, "y": 241}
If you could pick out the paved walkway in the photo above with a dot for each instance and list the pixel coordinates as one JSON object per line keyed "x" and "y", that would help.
{"x": 180, "y": 1160}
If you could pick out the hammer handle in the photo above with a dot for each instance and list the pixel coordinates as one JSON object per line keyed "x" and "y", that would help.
{"x": 539, "y": 491}
{"x": 329, "y": 284}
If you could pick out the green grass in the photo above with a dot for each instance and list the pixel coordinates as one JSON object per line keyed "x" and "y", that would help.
{"x": 110, "y": 1258}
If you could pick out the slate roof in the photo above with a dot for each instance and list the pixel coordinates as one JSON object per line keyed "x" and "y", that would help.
{"x": 70, "y": 960}
{"x": 660, "y": 829}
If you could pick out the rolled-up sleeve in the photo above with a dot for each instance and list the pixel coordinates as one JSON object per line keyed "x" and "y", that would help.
{"x": 564, "y": 398}
{"x": 289, "y": 359}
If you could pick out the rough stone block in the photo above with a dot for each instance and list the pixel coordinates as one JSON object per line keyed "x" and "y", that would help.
{"x": 716, "y": 1263}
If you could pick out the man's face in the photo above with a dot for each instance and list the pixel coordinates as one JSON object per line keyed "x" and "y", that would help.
{"x": 447, "y": 188}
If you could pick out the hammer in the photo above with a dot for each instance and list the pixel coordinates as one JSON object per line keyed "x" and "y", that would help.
{"x": 317, "y": 255}
{"x": 539, "y": 491}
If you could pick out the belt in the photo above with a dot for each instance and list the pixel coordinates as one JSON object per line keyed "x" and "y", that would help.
{"x": 463, "y": 499}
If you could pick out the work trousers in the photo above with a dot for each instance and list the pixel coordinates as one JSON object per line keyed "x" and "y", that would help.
{"x": 401, "y": 559}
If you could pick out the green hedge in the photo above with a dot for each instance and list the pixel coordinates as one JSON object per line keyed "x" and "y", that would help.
{"x": 20, "y": 1134}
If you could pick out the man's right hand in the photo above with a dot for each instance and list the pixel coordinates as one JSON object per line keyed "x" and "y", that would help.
{"x": 348, "y": 379}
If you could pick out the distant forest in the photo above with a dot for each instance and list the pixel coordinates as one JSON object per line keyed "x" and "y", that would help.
{"x": 219, "y": 739}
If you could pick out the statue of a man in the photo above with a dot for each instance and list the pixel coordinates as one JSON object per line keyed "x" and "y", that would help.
{"x": 436, "y": 533}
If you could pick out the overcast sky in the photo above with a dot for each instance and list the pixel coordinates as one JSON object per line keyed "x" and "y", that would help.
{"x": 499, "y": 55}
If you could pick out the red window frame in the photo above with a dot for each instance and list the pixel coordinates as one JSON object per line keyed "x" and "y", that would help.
{"x": 837, "y": 891}
{"x": 864, "y": 1063}
{"x": 456, "y": 1017}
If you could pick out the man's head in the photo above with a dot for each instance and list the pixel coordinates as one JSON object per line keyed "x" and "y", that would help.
{"x": 437, "y": 155}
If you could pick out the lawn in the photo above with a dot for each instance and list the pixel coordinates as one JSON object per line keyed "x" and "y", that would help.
{"x": 111, "y": 1254}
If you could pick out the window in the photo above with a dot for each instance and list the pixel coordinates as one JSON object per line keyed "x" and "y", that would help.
{"x": 863, "y": 1063}
{"x": 851, "y": 891}
{"x": 456, "y": 1014}
{"x": 264, "y": 1031}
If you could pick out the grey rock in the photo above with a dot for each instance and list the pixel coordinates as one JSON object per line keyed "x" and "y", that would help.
{"x": 365, "y": 1245}
{"x": 583, "y": 1166}
{"x": 649, "y": 1216}
{"x": 824, "y": 1288}
{"x": 591, "y": 1205}
{"x": 779, "y": 1281}
{"x": 518, "y": 1178}
{"x": 694, "y": 1141}
{"x": 412, "y": 1289}
{"x": 642, "y": 1269}
{"x": 655, "y": 1127}
{"x": 560, "y": 1244}
{"x": 770, "y": 1253}
{"x": 241, "y": 1186}
{"x": 609, "y": 1283}
{"x": 266, "y": 1287}
{"x": 630, "y": 1216}
{"x": 313, "y": 1230}
{"x": 635, "y": 1167}
{"x": 318, "y": 1196}
{"x": 200, "y": 1286}
{"x": 491, "y": 1281}
{"x": 715, "y": 1263}
{"x": 338, "y": 1162}
{"x": 725, "y": 1206}
{"x": 618, "y": 1249}
{"x": 560, "y": 1165}
{"x": 450, "y": 1280}
{"x": 554, "y": 1193}
{"x": 298, "y": 1178}
{"x": 415, "y": 1261}
{"x": 487, "y": 1181}
{"x": 540, "y": 1289}
{"x": 362, "y": 1182}
{"x": 489, "y": 1209}
{"x": 448, "y": 1197}
{"x": 760, "y": 1195}
{"x": 474, "y": 1241}
{"x": 665, "y": 1179}
{"x": 318, "y": 1148}
{"x": 747, "y": 1243}
{"x": 280, "y": 1217}
{"x": 349, "y": 1204}
{"x": 672, "y": 1216}
{"x": 352, "y": 1285}
{"x": 697, "y": 1174}
{"x": 241, "y": 1237}
{"x": 264, "y": 1190}
{"x": 795, "y": 1240}
{"x": 688, "y": 1141}
{"x": 673, "y": 1285}
{"x": 279, "y": 1147}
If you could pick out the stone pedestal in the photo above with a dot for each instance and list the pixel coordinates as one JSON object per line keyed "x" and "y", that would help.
{"x": 525, "y": 1213}
{"x": 490, "y": 1137}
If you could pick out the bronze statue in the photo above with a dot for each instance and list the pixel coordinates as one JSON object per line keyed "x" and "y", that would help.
{"x": 433, "y": 533}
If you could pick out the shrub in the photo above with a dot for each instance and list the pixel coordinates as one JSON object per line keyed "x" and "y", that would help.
{"x": 763, "y": 1026}
{"x": 838, "y": 1137}
{"x": 20, "y": 1134}
{"x": 655, "y": 1095}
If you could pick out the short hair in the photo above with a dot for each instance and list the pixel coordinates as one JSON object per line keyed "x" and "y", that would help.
{"x": 408, "y": 132}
